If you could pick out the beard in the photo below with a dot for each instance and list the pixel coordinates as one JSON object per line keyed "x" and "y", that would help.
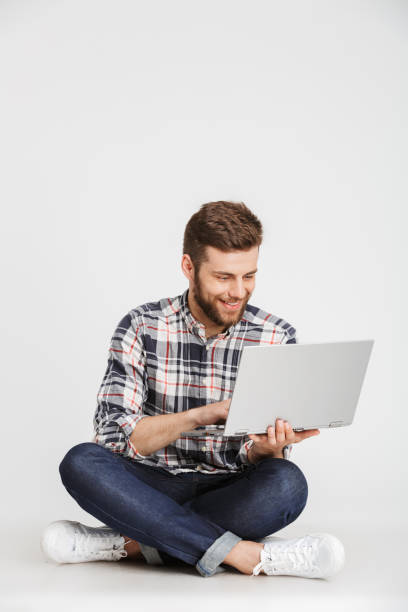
{"x": 211, "y": 310}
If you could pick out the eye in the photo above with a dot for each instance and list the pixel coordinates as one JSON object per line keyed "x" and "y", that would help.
{"x": 226, "y": 277}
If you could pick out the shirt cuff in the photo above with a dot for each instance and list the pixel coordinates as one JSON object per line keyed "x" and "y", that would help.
{"x": 242, "y": 456}
{"x": 132, "y": 451}
{"x": 287, "y": 450}
{"x": 127, "y": 424}
{"x": 119, "y": 441}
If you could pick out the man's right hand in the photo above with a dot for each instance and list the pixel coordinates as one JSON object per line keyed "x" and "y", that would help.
{"x": 212, "y": 414}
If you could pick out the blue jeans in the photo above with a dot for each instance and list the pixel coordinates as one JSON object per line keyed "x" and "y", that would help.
{"x": 188, "y": 518}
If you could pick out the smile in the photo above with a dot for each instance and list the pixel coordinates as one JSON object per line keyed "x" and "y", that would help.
{"x": 233, "y": 306}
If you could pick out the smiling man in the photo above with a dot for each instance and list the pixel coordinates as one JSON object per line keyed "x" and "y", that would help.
{"x": 167, "y": 497}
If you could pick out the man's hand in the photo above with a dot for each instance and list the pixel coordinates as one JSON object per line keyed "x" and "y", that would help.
{"x": 212, "y": 414}
{"x": 272, "y": 442}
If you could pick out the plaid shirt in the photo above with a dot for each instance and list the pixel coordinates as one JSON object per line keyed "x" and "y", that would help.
{"x": 161, "y": 362}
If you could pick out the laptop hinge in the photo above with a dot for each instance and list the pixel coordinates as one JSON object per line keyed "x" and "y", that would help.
{"x": 241, "y": 432}
{"x": 336, "y": 423}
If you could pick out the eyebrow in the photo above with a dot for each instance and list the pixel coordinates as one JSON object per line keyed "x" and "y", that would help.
{"x": 229, "y": 273}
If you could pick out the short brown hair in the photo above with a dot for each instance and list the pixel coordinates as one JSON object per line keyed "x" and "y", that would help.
{"x": 227, "y": 226}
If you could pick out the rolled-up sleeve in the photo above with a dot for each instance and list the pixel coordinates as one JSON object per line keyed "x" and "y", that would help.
{"x": 242, "y": 455}
{"x": 123, "y": 390}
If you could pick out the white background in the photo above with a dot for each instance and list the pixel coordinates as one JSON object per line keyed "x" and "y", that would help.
{"x": 118, "y": 119}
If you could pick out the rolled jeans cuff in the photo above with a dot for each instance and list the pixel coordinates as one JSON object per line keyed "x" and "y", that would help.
{"x": 216, "y": 553}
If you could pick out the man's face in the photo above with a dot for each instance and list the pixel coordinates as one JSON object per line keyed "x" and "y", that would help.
{"x": 225, "y": 277}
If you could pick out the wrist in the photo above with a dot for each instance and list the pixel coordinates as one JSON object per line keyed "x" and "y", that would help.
{"x": 192, "y": 418}
{"x": 254, "y": 456}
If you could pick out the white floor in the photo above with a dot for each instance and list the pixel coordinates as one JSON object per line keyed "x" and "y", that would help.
{"x": 375, "y": 578}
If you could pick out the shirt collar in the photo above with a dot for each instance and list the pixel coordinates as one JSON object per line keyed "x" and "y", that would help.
{"x": 195, "y": 326}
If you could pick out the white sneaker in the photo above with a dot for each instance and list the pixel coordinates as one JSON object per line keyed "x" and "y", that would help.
{"x": 317, "y": 555}
{"x": 72, "y": 542}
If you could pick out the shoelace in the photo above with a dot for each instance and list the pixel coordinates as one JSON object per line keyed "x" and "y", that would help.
{"x": 109, "y": 545}
{"x": 297, "y": 558}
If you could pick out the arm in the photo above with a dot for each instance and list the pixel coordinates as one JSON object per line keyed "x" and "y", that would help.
{"x": 124, "y": 388}
{"x": 119, "y": 421}
{"x": 253, "y": 457}
{"x": 248, "y": 454}
{"x": 158, "y": 431}
{"x": 284, "y": 454}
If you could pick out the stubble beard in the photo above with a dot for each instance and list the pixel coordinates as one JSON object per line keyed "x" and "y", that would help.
{"x": 211, "y": 311}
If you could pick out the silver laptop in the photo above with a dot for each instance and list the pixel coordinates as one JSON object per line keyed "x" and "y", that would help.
{"x": 309, "y": 385}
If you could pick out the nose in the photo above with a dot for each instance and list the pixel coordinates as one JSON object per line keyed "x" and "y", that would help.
{"x": 237, "y": 291}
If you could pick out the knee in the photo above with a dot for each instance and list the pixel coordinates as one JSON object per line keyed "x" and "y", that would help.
{"x": 299, "y": 485}
{"x": 290, "y": 480}
{"x": 77, "y": 461}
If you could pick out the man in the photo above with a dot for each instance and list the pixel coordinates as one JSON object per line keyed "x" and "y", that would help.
{"x": 163, "y": 495}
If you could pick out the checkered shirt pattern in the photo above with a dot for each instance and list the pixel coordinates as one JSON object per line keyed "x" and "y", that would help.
{"x": 160, "y": 362}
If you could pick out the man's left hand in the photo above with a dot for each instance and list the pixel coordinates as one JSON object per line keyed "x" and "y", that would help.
{"x": 272, "y": 442}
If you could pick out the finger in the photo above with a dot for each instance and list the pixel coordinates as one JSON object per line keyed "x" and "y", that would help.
{"x": 254, "y": 437}
{"x": 280, "y": 431}
{"x": 290, "y": 434}
{"x": 271, "y": 435}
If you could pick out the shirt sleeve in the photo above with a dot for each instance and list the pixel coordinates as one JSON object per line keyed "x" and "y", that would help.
{"x": 123, "y": 390}
{"x": 242, "y": 455}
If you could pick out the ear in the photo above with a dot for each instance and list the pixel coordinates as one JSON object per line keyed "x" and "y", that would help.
{"x": 187, "y": 267}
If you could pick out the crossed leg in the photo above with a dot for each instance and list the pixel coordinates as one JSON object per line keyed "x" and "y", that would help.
{"x": 244, "y": 507}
